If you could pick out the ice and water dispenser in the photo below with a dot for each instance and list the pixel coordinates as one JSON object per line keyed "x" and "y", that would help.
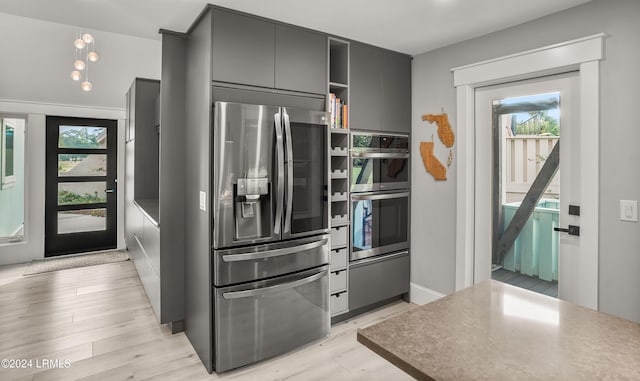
{"x": 252, "y": 209}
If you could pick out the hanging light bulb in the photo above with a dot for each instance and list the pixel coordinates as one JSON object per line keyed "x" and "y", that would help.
{"x": 79, "y": 43}
{"x": 87, "y": 38}
{"x": 79, "y": 65}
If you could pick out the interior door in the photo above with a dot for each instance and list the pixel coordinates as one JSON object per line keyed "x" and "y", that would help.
{"x": 307, "y": 152}
{"x": 81, "y": 185}
{"x": 491, "y": 189}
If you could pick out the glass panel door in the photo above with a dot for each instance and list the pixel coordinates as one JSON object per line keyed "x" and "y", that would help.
{"x": 309, "y": 207}
{"x": 81, "y": 197}
{"x": 526, "y": 130}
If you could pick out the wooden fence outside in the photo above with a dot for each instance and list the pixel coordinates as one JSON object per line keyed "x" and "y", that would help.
{"x": 524, "y": 156}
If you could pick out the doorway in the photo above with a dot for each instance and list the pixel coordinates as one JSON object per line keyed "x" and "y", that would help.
{"x": 532, "y": 183}
{"x": 81, "y": 185}
{"x": 474, "y": 190}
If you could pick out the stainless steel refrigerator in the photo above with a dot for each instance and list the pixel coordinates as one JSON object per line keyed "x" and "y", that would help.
{"x": 270, "y": 231}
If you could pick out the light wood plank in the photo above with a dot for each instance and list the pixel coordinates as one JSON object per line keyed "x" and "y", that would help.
{"x": 73, "y": 354}
{"x": 99, "y": 317}
{"x": 124, "y": 372}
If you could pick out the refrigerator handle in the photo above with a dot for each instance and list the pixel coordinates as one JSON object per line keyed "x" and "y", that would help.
{"x": 288, "y": 138}
{"x": 277, "y": 288}
{"x": 280, "y": 185}
{"x": 273, "y": 253}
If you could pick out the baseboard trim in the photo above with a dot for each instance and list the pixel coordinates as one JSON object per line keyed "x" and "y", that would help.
{"x": 421, "y": 295}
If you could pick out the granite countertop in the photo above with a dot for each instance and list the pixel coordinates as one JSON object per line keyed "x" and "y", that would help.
{"x": 494, "y": 331}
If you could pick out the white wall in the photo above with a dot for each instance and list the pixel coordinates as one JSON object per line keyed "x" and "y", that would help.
{"x": 36, "y": 59}
{"x": 434, "y": 203}
{"x": 35, "y": 62}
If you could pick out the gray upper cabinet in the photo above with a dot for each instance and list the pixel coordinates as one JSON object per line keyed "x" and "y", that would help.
{"x": 380, "y": 89}
{"x": 256, "y": 52}
{"x": 365, "y": 86}
{"x": 301, "y": 60}
{"x": 396, "y": 92}
{"x": 243, "y": 49}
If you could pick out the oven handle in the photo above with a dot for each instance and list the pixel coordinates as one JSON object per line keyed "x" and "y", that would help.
{"x": 276, "y": 288}
{"x": 378, "y": 196}
{"x": 381, "y": 258}
{"x": 280, "y": 160}
{"x": 380, "y": 155}
{"x": 274, "y": 252}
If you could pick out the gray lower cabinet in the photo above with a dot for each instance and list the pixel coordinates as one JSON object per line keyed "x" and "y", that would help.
{"x": 380, "y": 87}
{"x": 301, "y": 60}
{"x": 142, "y": 257}
{"x": 377, "y": 279}
{"x": 365, "y": 87}
{"x": 243, "y": 49}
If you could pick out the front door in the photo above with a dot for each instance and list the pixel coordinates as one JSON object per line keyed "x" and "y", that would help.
{"x": 518, "y": 126}
{"x": 81, "y": 185}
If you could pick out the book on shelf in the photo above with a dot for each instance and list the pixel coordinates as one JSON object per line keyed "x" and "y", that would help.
{"x": 345, "y": 118}
{"x": 339, "y": 112}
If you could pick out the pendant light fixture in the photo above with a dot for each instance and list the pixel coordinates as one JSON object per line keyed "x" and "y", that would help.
{"x": 85, "y": 53}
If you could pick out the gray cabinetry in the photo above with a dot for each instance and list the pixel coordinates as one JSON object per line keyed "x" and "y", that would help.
{"x": 257, "y": 52}
{"x": 378, "y": 279}
{"x": 396, "y": 92}
{"x": 380, "y": 89}
{"x": 230, "y": 56}
{"x": 365, "y": 85}
{"x": 154, "y": 183}
{"x": 301, "y": 60}
{"x": 243, "y": 49}
{"x": 142, "y": 186}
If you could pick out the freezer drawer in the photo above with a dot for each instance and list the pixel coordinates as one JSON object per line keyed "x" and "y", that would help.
{"x": 247, "y": 264}
{"x": 259, "y": 320}
{"x": 375, "y": 279}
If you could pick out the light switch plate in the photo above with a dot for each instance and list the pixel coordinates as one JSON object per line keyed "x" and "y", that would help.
{"x": 203, "y": 201}
{"x": 629, "y": 210}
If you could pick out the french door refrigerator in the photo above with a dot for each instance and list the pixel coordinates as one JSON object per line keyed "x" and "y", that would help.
{"x": 270, "y": 231}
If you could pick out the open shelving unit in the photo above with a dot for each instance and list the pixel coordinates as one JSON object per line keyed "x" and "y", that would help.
{"x": 338, "y": 87}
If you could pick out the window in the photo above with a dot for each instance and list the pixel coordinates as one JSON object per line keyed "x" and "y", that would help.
{"x": 8, "y": 151}
{"x": 12, "y": 170}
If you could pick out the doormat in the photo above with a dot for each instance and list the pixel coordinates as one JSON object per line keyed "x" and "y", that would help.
{"x": 47, "y": 265}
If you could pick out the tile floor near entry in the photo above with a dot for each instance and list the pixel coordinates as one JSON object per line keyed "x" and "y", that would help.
{"x": 100, "y": 319}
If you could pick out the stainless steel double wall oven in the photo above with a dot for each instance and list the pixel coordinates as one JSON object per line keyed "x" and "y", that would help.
{"x": 270, "y": 238}
{"x": 379, "y": 194}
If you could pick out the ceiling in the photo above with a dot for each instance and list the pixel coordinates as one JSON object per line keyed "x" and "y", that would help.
{"x": 409, "y": 26}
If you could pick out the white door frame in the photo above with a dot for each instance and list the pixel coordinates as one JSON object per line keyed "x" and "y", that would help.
{"x": 582, "y": 54}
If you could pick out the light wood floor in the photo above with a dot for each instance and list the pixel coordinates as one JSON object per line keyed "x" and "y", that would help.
{"x": 100, "y": 319}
